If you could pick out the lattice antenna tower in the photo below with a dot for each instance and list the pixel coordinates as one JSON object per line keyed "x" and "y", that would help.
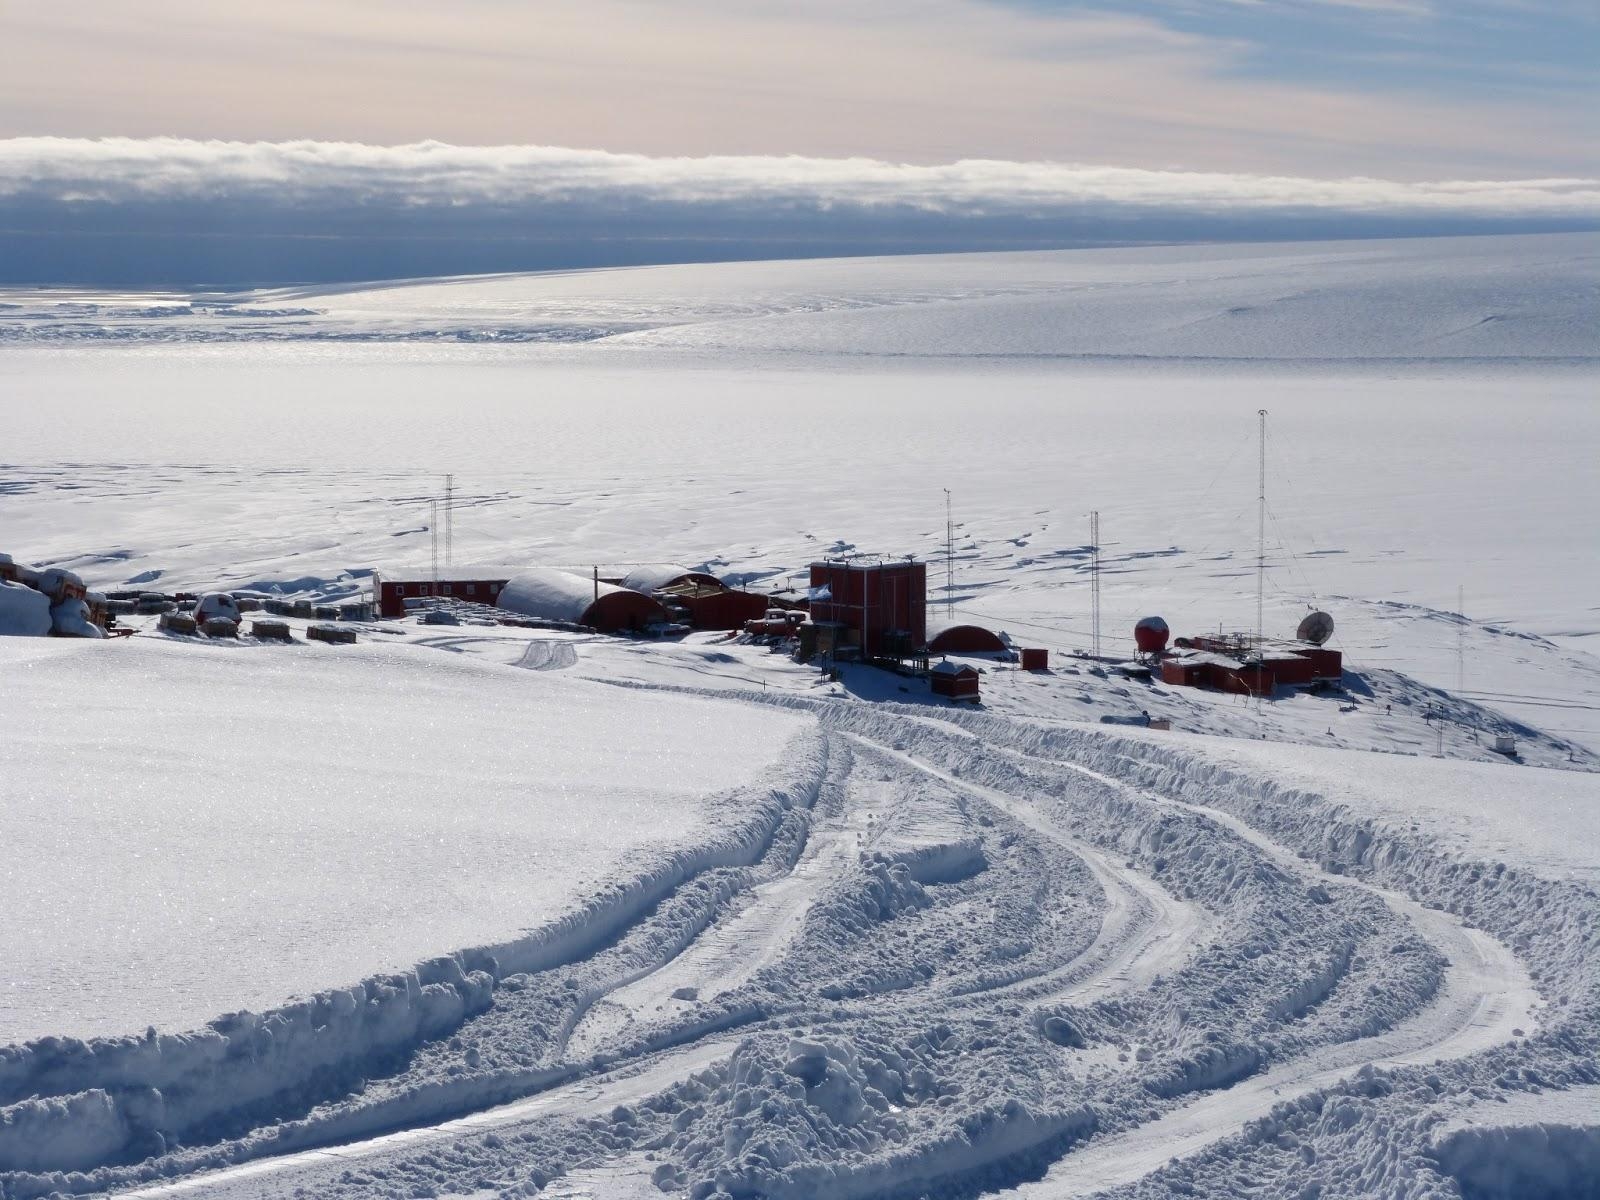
{"x": 433, "y": 533}
{"x": 1261, "y": 529}
{"x": 1461, "y": 640}
{"x": 1094, "y": 579}
{"x": 449, "y": 517}
{"x": 949, "y": 560}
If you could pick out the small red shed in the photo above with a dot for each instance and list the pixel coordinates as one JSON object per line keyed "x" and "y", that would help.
{"x": 958, "y": 681}
{"x": 1035, "y": 658}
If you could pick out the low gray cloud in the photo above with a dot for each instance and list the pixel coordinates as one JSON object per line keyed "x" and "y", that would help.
{"x": 237, "y": 211}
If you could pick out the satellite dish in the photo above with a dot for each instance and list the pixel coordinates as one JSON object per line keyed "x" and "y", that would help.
{"x": 1317, "y": 628}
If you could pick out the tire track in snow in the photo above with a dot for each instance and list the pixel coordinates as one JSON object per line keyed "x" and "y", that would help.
{"x": 1146, "y": 931}
{"x": 729, "y": 952}
{"x": 588, "y": 1096}
{"x": 1486, "y": 998}
{"x": 549, "y": 654}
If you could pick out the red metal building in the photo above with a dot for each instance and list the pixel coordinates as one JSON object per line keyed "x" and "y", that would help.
{"x": 711, "y": 605}
{"x": 885, "y": 604}
{"x": 391, "y": 588}
{"x": 958, "y": 681}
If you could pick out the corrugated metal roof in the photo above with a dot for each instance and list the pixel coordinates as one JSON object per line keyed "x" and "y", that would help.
{"x": 552, "y": 595}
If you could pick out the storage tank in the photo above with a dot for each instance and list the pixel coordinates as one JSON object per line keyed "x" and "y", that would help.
{"x": 1150, "y": 635}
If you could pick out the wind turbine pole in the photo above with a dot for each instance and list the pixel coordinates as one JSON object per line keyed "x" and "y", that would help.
{"x": 1261, "y": 530}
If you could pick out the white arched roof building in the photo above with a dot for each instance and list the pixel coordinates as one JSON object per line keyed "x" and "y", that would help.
{"x": 548, "y": 594}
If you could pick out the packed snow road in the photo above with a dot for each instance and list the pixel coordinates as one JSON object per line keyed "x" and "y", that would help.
{"x": 973, "y": 953}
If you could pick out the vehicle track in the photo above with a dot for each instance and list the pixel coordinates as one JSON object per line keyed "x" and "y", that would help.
{"x": 731, "y": 951}
{"x": 1487, "y": 998}
{"x": 591, "y": 1095}
{"x": 1146, "y": 930}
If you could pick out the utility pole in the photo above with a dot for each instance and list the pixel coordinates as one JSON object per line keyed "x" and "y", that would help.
{"x": 949, "y": 560}
{"x": 1261, "y": 530}
{"x": 449, "y": 516}
{"x": 1094, "y": 578}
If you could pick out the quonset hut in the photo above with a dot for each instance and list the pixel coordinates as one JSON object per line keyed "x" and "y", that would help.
{"x": 966, "y": 639}
{"x": 547, "y": 594}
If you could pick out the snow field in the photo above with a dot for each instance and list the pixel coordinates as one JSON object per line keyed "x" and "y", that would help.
{"x": 915, "y": 951}
{"x": 1164, "y": 454}
{"x": 883, "y": 1042}
{"x": 278, "y": 848}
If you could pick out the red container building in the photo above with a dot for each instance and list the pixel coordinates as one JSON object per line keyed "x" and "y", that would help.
{"x": 885, "y": 604}
{"x": 958, "y": 681}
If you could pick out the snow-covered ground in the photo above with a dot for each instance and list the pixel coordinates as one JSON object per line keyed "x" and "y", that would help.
{"x": 584, "y": 916}
{"x": 195, "y": 829}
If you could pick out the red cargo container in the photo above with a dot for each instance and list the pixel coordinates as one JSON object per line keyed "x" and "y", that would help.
{"x": 955, "y": 680}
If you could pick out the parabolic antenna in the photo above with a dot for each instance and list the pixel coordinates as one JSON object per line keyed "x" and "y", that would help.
{"x": 1317, "y": 628}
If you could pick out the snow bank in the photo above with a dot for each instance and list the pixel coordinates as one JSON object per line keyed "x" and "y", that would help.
{"x": 98, "y": 1101}
{"x": 315, "y": 867}
{"x": 70, "y": 618}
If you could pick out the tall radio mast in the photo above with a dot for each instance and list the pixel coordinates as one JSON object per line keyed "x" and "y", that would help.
{"x": 1094, "y": 578}
{"x": 949, "y": 560}
{"x": 1261, "y": 530}
{"x": 449, "y": 515}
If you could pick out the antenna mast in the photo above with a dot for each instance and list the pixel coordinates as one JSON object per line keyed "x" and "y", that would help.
{"x": 949, "y": 560}
{"x": 449, "y": 515}
{"x": 1461, "y": 640}
{"x": 1261, "y": 529}
{"x": 433, "y": 531}
{"x": 1094, "y": 577}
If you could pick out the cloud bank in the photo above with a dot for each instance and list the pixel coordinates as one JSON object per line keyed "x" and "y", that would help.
{"x": 160, "y": 210}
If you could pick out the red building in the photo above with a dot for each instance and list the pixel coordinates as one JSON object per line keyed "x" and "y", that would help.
{"x": 391, "y": 588}
{"x": 884, "y": 604}
{"x": 958, "y": 681}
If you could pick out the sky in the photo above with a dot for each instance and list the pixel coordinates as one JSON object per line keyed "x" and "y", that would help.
{"x": 365, "y": 139}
